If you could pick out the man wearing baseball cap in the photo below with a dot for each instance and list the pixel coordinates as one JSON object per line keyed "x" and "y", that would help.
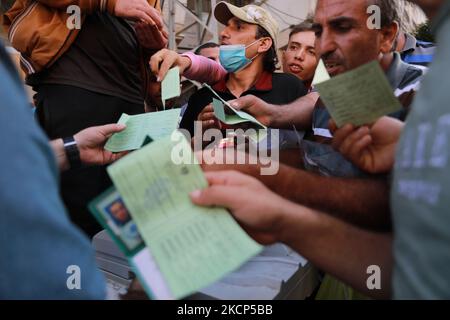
{"x": 248, "y": 53}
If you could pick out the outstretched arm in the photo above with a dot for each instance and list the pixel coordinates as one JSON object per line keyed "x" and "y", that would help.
{"x": 297, "y": 114}
{"x": 193, "y": 67}
{"x": 362, "y": 202}
{"x": 334, "y": 246}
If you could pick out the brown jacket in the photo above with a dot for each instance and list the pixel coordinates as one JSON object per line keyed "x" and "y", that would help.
{"x": 38, "y": 29}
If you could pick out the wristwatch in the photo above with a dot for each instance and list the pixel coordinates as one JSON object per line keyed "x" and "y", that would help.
{"x": 72, "y": 152}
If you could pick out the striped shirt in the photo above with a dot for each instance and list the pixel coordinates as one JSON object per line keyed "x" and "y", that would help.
{"x": 418, "y": 52}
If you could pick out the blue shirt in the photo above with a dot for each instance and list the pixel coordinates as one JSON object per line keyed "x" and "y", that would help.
{"x": 38, "y": 243}
{"x": 418, "y": 52}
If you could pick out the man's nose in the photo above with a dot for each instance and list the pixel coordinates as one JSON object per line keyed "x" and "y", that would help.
{"x": 224, "y": 34}
{"x": 300, "y": 54}
{"x": 326, "y": 43}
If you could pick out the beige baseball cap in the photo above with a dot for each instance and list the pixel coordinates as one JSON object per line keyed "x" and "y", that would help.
{"x": 224, "y": 11}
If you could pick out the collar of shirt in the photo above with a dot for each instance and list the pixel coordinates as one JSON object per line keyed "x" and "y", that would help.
{"x": 397, "y": 71}
{"x": 410, "y": 44}
{"x": 263, "y": 84}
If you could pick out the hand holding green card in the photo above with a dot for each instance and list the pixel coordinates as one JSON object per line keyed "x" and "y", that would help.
{"x": 193, "y": 246}
{"x": 228, "y": 115}
{"x": 359, "y": 97}
{"x": 156, "y": 125}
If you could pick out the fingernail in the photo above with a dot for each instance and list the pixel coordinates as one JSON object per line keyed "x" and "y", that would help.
{"x": 196, "y": 194}
{"x": 121, "y": 126}
{"x": 158, "y": 79}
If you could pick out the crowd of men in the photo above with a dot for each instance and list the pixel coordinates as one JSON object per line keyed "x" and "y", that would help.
{"x": 345, "y": 198}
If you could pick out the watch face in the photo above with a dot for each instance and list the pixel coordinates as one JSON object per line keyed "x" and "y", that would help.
{"x": 72, "y": 152}
{"x": 69, "y": 141}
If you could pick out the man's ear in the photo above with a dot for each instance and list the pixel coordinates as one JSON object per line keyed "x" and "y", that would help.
{"x": 389, "y": 36}
{"x": 265, "y": 45}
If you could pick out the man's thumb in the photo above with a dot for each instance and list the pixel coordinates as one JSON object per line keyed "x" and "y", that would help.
{"x": 212, "y": 196}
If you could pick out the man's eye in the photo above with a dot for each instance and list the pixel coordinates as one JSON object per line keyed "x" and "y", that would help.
{"x": 343, "y": 28}
{"x": 312, "y": 52}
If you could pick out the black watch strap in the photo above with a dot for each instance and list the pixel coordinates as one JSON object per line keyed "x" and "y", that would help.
{"x": 72, "y": 152}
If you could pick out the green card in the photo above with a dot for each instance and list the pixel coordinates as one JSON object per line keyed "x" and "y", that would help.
{"x": 228, "y": 115}
{"x": 155, "y": 125}
{"x": 219, "y": 112}
{"x": 170, "y": 86}
{"x": 193, "y": 246}
{"x": 233, "y": 119}
{"x": 360, "y": 96}
{"x": 110, "y": 211}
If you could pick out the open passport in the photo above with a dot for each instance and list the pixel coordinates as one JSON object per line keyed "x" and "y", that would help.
{"x": 174, "y": 247}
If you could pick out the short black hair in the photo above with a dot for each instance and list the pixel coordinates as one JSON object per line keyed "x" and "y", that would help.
{"x": 270, "y": 61}
{"x": 206, "y": 45}
{"x": 305, "y": 26}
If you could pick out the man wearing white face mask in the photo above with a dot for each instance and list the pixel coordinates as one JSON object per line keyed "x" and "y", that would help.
{"x": 248, "y": 53}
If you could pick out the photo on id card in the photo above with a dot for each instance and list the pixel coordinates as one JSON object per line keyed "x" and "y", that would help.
{"x": 110, "y": 210}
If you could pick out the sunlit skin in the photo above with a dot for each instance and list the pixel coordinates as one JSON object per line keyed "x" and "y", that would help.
{"x": 300, "y": 56}
{"x": 238, "y": 32}
{"x": 343, "y": 39}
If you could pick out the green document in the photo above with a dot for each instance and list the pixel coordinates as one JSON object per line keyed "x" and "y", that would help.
{"x": 321, "y": 74}
{"x": 192, "y": 246}
{"x": 234, "y": 119}
{"x": 170, "y": 86}
{"x": 154, "y": 124}
{"x": 360, "y": 96}
{"x": 227, "y": 114}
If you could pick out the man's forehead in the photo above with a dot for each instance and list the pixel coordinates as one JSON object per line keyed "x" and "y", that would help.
{"x": 303, "y": 37}
{"x": 327, "y": 10}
